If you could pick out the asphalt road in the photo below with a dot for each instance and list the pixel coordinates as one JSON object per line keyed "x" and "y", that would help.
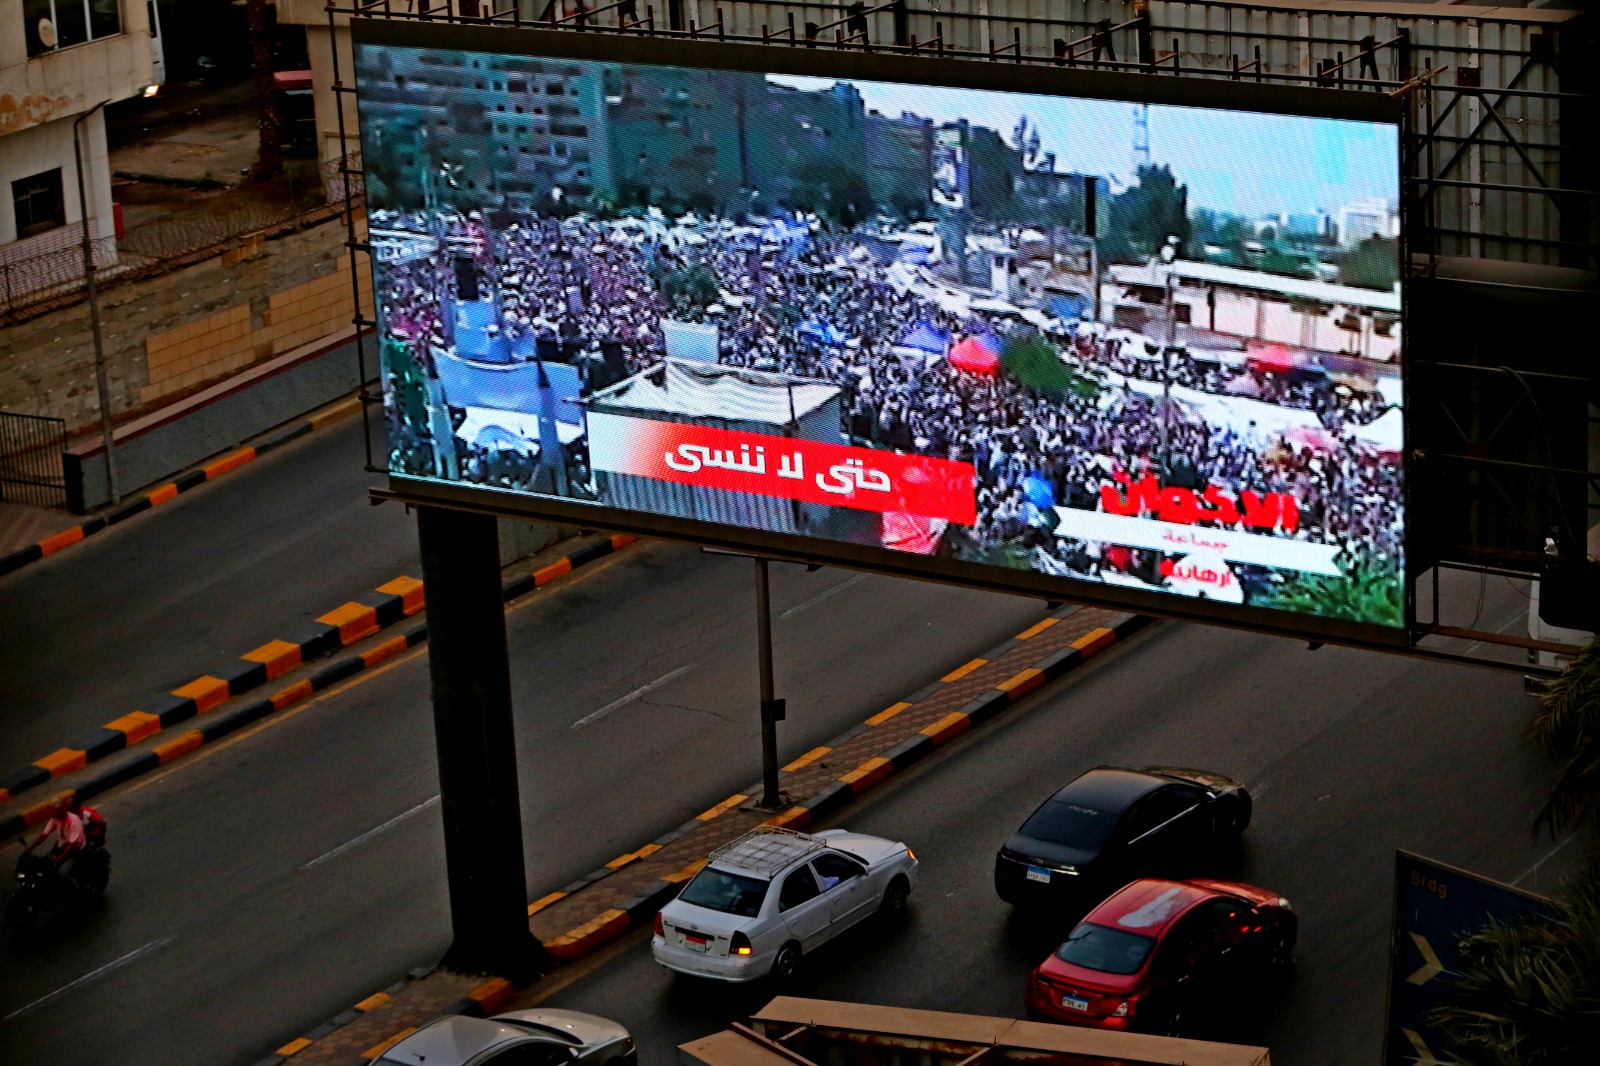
{"x": 146, "y": 606}
{"x": 1350, "y": 755}
{"x": 274, "y": 879}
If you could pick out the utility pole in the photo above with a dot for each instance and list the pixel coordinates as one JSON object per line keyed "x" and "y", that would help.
{"x": 101, "y": 384}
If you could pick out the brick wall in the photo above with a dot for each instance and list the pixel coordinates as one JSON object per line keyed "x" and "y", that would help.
{"x": 169, "y": 335}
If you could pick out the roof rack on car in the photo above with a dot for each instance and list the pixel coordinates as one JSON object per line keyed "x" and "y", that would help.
{"x": 766, "y": 849}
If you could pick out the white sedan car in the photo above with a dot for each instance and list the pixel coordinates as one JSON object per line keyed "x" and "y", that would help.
{"x": 772, "y": 895}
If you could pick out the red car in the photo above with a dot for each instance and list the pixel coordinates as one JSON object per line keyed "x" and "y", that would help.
{"x": 1150, "y": 953}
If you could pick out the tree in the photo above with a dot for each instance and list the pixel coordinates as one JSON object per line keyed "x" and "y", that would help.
{"x": 1367, "y": 591}
{"x": 1372, "y": 264}
{"x": 1567, "y": 726}
{"x": 688, "y": 289}
{"x": 1150, "y": 211}
{"x": 1033, "y": 363}
{"x": 1526, "y": 991}
{"x": 269, "y": 164}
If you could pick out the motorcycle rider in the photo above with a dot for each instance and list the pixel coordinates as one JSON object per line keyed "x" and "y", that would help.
{"x": 71, "y": 839}
{"x": 94, "y": 826}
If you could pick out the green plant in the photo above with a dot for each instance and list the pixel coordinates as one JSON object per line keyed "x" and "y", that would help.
{"x": 1366, "y": 592}
{"x": 1526, "y": 991}
{"x": 1033, "y": 363}
{"x": 1567, "y": 726}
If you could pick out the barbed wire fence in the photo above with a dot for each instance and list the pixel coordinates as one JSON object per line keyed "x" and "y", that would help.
{"x": 53, "y": 279}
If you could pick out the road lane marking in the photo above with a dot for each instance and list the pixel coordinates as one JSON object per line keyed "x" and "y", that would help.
{"x": 824, "y": 594}
{"x": 370, "y": 833}
{"x": 93, "y": 975}
{"x": 630, "y": 697}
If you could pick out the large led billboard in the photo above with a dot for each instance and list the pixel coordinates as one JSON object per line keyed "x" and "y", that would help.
{"x": 1009, "y": 326}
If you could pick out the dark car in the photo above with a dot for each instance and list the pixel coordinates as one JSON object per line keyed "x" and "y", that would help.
{"x": 1113, "y": 825}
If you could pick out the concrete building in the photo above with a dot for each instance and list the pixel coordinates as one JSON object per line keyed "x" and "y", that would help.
{"x": 1357, "y": 222}
{"x": 515, "y": 127}
{"x": 58, "y": 60}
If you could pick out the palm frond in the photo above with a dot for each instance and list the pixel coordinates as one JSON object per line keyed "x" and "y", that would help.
{"x": 1570, "y": 707}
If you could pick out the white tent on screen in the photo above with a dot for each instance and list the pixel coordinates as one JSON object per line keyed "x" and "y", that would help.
{"x": 722, "y": 397}
{"x": 1385, "y": 435}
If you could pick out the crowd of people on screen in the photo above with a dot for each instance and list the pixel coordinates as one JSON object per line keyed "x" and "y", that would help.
{"x": 586, "y": 280}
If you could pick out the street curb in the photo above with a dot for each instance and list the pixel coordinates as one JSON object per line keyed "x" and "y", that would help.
{"x": 481, "y": 1002}
{"x": 323, "y": 635}
{"x": 614, "y": 922}
{"x": 344, "y": 625}
{"x": 16, "y": 560}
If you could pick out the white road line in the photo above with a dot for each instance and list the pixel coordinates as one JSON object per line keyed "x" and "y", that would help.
{"x": 115, "y": 964}
{"x": 819, "y": 597}
{"x": 630, "y": 697}
{"x": 370, "y": 833}
{"x": 1523, "y": 876}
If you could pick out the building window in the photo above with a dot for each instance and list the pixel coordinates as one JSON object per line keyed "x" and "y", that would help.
{"x": 52, "y": 24}
{"x": 38, "y": 204}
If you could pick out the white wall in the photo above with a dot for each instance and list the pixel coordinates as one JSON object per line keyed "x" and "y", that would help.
{"x": 67, "y": 82}
{"x": 40, "y": 148}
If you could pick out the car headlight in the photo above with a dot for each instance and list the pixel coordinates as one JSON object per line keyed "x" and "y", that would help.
{"x": 1284, "y": 903}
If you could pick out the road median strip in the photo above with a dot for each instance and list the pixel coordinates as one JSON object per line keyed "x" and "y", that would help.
{"x": 345, "y": 625}
{"x": 154, "y": 497}
{"x": 624, "y": 894}
{"x": 391, "y": 602}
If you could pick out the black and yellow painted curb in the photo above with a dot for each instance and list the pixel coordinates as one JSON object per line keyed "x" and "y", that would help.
{"x": 177, "y": 486}
{"x": 481, "y": 1002}
{"x": 344, "y": 625}
{"x": 640, "y": 910}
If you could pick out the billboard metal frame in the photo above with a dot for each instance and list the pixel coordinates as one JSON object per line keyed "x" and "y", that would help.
{"x": 631, "y": 37}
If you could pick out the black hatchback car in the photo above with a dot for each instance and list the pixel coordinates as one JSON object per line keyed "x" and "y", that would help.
{"x": 1111, "y": 826}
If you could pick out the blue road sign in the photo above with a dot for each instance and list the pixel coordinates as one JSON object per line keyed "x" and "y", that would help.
{"x": 1434, "y": 905}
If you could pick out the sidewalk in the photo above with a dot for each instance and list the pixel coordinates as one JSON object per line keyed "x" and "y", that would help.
{"x": 21, "y": 525}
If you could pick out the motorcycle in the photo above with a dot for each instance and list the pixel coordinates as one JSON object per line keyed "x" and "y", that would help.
{"x": 43, "y": 890}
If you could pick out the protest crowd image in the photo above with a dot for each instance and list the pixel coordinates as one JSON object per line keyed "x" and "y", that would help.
{"x": 1065, "y": 336}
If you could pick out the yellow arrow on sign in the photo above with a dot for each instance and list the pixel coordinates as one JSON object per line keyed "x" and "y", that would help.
{"x": 1420, "y": 1046}
{"x": 1431, "y": 966}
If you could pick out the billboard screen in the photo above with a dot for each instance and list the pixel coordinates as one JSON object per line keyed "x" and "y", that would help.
{"x": 860, "y": 309}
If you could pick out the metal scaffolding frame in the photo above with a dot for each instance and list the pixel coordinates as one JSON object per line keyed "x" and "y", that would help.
{"x": 1534, "y": 139}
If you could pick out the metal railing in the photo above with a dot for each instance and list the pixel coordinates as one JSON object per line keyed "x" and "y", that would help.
{"x": 31, "y": 468}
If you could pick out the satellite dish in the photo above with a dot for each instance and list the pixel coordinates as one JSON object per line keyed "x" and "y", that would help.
{"x": 47, "y": 33}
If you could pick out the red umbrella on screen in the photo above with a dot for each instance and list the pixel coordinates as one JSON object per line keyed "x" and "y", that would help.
{"x": 973, "y": 356}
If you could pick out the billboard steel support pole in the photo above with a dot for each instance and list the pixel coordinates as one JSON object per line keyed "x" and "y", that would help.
{"x": 771, "y": 708}
{"x": 470, "y": 673}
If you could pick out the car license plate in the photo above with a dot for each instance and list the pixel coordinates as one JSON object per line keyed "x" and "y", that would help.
{"x": 695, "y": 943}
{"x": 1038, "y": 873}
{"x": 1075, "y": 1003}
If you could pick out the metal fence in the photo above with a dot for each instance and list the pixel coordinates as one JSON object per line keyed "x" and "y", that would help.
{"x": 233, "y": 213}
{"x": 145, "y": 248}
{"x": 31, "y": 469}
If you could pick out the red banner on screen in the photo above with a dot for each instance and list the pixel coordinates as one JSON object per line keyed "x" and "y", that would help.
{"x": 790, "y": 468}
